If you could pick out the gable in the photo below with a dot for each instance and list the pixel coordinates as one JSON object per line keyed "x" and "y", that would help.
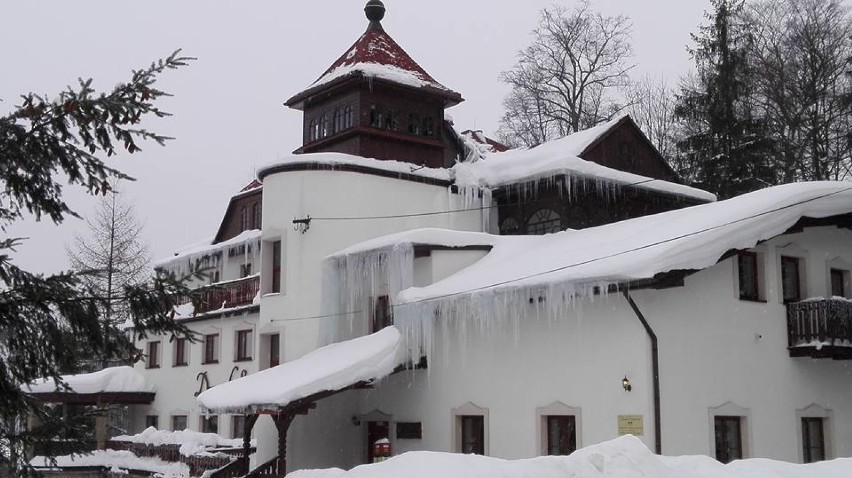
{"x": 243, "y": 213}
{"x": 625, "y": 148}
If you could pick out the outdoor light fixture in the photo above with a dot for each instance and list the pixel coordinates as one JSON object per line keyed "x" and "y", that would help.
{"x": 625, "y": 382}
{"x": 356, "y": 420}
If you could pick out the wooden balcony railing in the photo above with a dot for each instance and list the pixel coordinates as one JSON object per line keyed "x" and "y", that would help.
{"x": 820, "y": 329}
{"x": 227, "y": 295}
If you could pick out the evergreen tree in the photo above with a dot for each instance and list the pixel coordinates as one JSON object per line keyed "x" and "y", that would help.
{"x": 726, "y": 145}
{"x": 44, "y": 143}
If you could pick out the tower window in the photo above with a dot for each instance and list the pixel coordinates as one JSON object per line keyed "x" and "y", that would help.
{"x": 347, "y": 117}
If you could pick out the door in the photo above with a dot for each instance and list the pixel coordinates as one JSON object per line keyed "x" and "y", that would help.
{"x": 375, "y": 432}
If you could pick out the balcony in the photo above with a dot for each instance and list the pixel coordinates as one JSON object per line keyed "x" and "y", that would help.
{"x": 227, "y": 295}
{"x": 820, "y": 328}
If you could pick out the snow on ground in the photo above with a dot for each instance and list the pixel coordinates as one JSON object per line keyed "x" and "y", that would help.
{"x": 113, "y": 379}
{"x": 118, "y": 460}
{"x": 333, "y": 367}
{"x": 192, "y": 442}
{"x": 623, "y": 457}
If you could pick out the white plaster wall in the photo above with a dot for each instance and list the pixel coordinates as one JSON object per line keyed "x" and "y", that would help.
{"x": 326, "y": 436}
{"x": 320, "y": 194}
{"x": 175, "y": 386}
{"x": 715, "y": 351}
{"x": 579, "y": 360}
{"x": 715, "y": 348}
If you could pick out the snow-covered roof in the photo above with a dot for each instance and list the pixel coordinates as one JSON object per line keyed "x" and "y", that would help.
{"x": 342, "y": 160}
{"x": 422, "y": 237}
{"x": 206, "y": 247}
{"x": 192, "y": 442}
{"x": 685, "y": 239}
{"x": 623, "y": 457}
{"x": 108, "y": 380}
{"x": 376, "y": 55}
{"x": 117, "y": 460}
{"x": 326, "y": 369}
{"x": 561, "y": 157}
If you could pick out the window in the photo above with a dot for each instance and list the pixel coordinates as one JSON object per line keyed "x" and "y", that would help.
{"x": 238, "y": 426}
{"x": 211, "y": 348}
{"x": 428, "y": 126}
{"x": 338, "y": 120}
{"x": 414, "y": 124}
{"x": 347, "y": 117}
{"x": 747, "y": 266}
{"x": 382, "y": 314}
{"x": 178, "y": 422}
{"x": 244, "y": 345}
{"x": 276, "y": 266}
{"x": 323, "y": 127}
{"x": 790, "y": 279}
{"x": 245, "y": 220}
{"x": 255, "y": 212}
{"x": 728, "y": 436}
{"x": 181, "y": 354}
{"x": 313, "y": 130}
{"x": 210, "y": 424}
{"x": 274, "y": 350}
{"x": 813, "y": 439}
{"x": 509, "y": 226}
{"x": 245, "y": 270}
{"x": 472, "y": 434}
{"x": 561, "y": 434}
{"x": 839, "y": 282}
{"x": 544, "y": 221}
{"x": 152, "y": 421}
{"x": 153, "y": 355}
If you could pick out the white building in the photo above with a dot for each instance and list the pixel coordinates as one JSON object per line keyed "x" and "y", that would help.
{"x": 647, "y": 308}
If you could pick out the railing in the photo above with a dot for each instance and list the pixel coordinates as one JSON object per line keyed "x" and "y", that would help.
{"x": 234, "y": 469}
{"x": 230, "y": 294}
{"x": 270, "y": 468}
{"x": 824, "y": 326}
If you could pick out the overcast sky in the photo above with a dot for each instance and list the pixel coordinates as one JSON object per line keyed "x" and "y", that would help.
{"x": 228, "y": 114}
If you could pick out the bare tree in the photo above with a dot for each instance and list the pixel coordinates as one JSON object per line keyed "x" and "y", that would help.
{"x": 802, "y": 51}
{"x": 113, "y": 255}
{"x": 565, "y": 80}
{"x": 651, "y": 104}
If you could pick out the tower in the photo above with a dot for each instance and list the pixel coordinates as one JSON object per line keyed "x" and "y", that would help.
{"x": 375, "y": 101}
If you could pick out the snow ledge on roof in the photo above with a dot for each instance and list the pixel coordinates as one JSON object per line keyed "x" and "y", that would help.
{"x": 330, "y": 368}
{"x": 108, "y": 380}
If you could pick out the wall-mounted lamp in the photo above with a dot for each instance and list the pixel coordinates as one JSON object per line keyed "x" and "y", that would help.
{"x": 625, "y": 382}
{"x": 302, "y": 225}
{"x": 356, "y": 420}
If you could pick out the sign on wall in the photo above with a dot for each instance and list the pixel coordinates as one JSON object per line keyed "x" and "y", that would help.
{"x": 630, "y": 425}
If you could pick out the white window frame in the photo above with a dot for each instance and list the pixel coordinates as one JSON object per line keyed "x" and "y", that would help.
{"x": 470, "y": 408}
{"x": 556, "y": 409}
{"x": 816, "y": 411}
{"x": 731, "y": 409}
{"x": 794, "y": 251}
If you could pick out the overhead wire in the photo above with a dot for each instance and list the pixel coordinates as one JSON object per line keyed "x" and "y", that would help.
{"x": 587, "y": 261}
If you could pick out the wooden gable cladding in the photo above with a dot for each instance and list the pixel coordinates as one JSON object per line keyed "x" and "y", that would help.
{"x": 625, "y": 148}
{"x": 244, "y": 213}
{"x": 380, "y": 120}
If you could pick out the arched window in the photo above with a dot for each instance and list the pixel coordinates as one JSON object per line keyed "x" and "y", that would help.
{"x": 544, "y": 221}
{"x": 347, "y": 117}
{"x": 244, "y": 219}
{"x": 255, "y": 209}
{"x": 323, "y": 127}
{"x": 312, "y": 130}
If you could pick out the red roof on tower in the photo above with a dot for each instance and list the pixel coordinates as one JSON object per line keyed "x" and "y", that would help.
{"x": 375, "y": 55}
